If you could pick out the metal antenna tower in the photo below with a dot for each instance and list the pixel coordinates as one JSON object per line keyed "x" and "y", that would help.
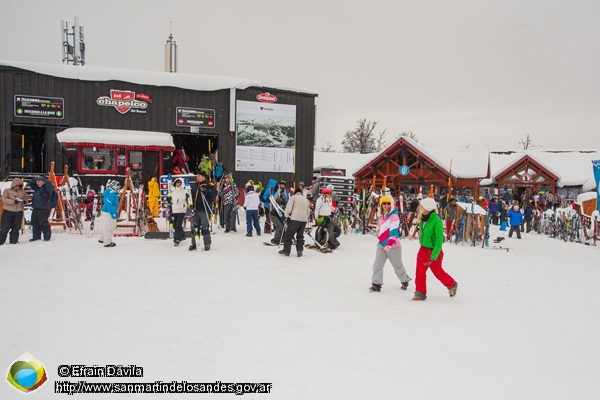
{"x": 73, "y": 46}
{"x": 171, "y": 53}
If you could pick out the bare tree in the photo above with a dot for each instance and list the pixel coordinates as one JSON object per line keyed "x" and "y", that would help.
{"x": 327, "y": 148}
{"x": 527, "y": 143}
{"x": 362, "y": 139}
{"x": 409, "y": 135}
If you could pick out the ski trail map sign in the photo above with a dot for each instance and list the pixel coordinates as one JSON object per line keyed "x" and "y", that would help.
{"x": 265, "y": 136}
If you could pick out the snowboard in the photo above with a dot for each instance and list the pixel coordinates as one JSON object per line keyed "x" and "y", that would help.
{"x": 163, "y": 235}
{"x": 501, "y": 248}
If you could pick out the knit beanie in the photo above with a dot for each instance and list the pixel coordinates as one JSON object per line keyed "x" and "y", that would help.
{"x": 428, "y": 204}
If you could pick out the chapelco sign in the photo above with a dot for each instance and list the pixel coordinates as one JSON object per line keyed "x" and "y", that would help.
{"x": 266, "y": 97}
{"x": 125, "y": 101}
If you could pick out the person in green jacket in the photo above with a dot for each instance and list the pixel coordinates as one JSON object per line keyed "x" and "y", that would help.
{"x": 430, "y": 255}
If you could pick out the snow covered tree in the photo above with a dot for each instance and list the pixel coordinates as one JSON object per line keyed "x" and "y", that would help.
{"x": 327, "y": 148}
{"x": 409, "y": 135}
{"x": 362, "y": 139}
{"x": 527, "y": 143}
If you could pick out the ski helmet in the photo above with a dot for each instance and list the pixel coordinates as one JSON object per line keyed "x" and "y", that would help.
{"x": 326, "y": 191}
{"x": 330, "y": 187}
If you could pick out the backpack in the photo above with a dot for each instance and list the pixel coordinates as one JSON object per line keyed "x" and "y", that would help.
{"x": 268, "y": 190}
{"x": 219, "y": 171}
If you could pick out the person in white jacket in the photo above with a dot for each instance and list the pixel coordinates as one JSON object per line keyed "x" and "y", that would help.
{"x": 251, "y": 203}
{"x": 179, "y": 205}
{"x": 324, "y": 206}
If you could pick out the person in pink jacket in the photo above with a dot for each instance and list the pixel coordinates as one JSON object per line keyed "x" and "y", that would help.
{"x": 388, "y": 247}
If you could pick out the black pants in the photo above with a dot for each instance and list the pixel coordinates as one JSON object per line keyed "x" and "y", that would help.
{"x": 11, "y": 222}
{"x": 202, "y": 224}
{"x": 40, "y": 224}
{"x": 178, "y": 234}
{"x": 294, "y": 228}
{"x": 268, "y": 222}
{"x": 515, "y": 228}
{"x": 278, "y": 225}
{"x": 229, "y": 217}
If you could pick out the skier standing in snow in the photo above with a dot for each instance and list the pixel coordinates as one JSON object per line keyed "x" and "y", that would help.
{"x": 251, "y": 203}
{"x": 323, "y": 215}
{"x": 44, "y": 199}
{"x": 203, "y": 196}
{"x": 515, "y": 218}
{"x": 527, "y": 217}
{"x": 109, "y": 212}
{"x": 430, "y": 255}
{"x": 281, "y": 196}
{"x": 297, "y": 212}
{"x": 451, "y": 214}
{"x": 179, "y": 205}
{"x": 388, "y": 246}
{"x": 228, "y": 193}
{"x": 14, "y": 205}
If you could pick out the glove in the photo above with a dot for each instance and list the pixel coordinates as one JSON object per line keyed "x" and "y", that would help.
{"x": 113, "y": 215}
{"x": 18, "y": 200}
{"x": 428, "y": 263}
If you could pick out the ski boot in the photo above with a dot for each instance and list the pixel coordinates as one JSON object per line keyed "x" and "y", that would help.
{"x": 419, "y": 296}
{"x": 192, "y": 248}
{"x": 299, "y": 253}
{"x": 405, "y": 284}
{"x": 206, "y": 247}
{"x": 452, "y": 290}
{"x": 176, "y": 242}
{"x": 376, "y": 287}
{"x": 283, "y": 253}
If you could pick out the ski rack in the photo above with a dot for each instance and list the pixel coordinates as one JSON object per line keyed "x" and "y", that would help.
{"x": 128, "y": 192}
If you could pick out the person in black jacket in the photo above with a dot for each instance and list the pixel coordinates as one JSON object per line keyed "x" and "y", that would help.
{"x": 203, "y": 196}
{"x": 43, "y": 201}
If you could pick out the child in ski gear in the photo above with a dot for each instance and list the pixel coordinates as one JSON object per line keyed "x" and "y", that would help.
{"x": 179, "y": 205}
{"x": 13, "y": 200}
{"x": 527, "y": 217}
{"x": 153, "y": 195}
{"x": 44, "y": 199}
{"x": 229, "y": 194}
{"x": 203, "y": 196}
{"x": 251, "y": 203}
{"x": 219, "y": 171}
{"x": 179, "y": 162}
{"x": 515, "y": 218}
{"x": 483, "y": 203}
{"x": 110, "y": 212}
{"x": 297, "y": 212}
{"x": 388, "y": 246}
{"x": 430, "y": 255}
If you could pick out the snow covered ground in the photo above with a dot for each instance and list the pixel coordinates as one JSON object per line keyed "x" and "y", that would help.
{"x": 524, "y": 323}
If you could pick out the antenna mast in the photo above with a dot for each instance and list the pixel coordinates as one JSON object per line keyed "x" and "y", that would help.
{"x": 73, "y": 45}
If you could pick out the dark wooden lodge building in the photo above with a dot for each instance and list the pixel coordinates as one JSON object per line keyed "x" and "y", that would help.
{"x": 203, "y": 114}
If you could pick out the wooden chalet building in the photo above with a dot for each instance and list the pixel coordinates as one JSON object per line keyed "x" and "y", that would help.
{"x": 411, "y": 167}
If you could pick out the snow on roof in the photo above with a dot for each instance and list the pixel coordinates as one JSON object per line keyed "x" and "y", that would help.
{"x": 585, "y": 197}
{"x": 466, "y": 163}
{"x": 572, "y": 167}
{"x": 154, "y": 78}
{"x": 116, "y": 137}
{"x": 351, "y": 162}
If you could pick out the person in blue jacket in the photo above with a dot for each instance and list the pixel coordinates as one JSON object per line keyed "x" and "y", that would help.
{"x": 110, "y": 212}
{"x": 44, "y": 199}
{"x": 527, "y": 217}
{"x": 515, "y": 218}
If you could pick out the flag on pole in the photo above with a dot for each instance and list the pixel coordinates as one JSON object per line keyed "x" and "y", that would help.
{"x": 596, "y": 164}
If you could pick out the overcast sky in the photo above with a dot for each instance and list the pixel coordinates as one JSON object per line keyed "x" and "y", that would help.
{"x": 455, "y": 73}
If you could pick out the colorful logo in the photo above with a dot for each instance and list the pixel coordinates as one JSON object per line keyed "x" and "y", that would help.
{"x": 26, "y": 374}
{"x": 266, "y": 97}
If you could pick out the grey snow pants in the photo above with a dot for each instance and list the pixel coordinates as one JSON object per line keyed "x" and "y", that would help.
{"x": 395, "y": 257}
